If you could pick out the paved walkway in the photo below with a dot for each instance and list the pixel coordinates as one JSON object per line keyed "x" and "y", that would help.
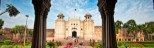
{"x": 64, "y": 46}
{"x": 72, "y": 40}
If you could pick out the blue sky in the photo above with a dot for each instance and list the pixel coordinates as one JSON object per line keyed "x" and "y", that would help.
{"x": 140, "y": 10}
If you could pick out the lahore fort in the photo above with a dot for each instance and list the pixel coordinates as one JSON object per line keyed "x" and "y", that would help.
{"x": 84, "y": 29}
{"x": 74, "y": 27}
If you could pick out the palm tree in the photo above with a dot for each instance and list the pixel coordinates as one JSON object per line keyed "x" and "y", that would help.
{"x": 11, "y": 10}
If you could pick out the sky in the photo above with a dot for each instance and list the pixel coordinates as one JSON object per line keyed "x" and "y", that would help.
{"x": 140, "y": 10}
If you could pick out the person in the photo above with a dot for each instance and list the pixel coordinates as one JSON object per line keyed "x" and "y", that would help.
{"x": 52, "y": 40}
{"x": 82, "y": 41}
{"x": 81, "y": 46}
{"x": 69, "y": 46}
{"x": 93, "y": 42}
{"x": 90, "y": 40}
{"x": 75, "y": 40}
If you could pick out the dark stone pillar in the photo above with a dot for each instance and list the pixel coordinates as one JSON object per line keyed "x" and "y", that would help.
{"x": 44, "y": 27}
{"x": 106, "y": 8}
{"x": 41, "y": 8}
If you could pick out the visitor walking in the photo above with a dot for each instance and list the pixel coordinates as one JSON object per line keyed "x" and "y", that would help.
{"x": 81, "y": 46}
{"x": 69, "y": 46}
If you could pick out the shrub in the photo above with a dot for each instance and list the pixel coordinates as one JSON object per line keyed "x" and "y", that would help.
{"x": 91, "y": 44}
{"x": 98, "y": 45}
{"x": 58, "y": 43}
{"x": 120, "y": 43}
{"x": 27, "y": 43}
{"x": 7, "y": 42}
{"x": 6, "y": 46}
{"x": 51, "y": 44}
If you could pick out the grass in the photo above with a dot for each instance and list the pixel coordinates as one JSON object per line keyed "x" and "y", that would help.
{"x": 17, "y": 46}
{"x": 1, "y": 44}
{"x": 148, "y": 44}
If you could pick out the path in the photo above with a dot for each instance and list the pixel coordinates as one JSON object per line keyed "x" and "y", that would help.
{"x": 72, "y": 40}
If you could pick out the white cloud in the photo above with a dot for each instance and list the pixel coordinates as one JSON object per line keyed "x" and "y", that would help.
{"x": 139, "y": 10}
{"x": 20, "y": 19}
{"x": 67, "y": 7}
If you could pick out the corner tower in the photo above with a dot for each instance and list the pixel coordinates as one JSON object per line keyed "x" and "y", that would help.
{"x": 88, "y": 27}
{"x": 60, "y": 27}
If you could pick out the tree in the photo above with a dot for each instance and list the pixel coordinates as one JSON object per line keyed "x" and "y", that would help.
{"x": 2, "y": 37}
{"x": 1, "y": 33}
{"x": 140, "y": 27}
{"x": 117, "y": 25}
{"x": 149, "y": 27}
{"x": 11, "y": 10}
{"x": 131, "y": 25}
{"x": 125, "y": 25}
{"x": 21, "y": 30}
{"x": 30, "y": 33}
{"x": 13, "y": 31}
{"x": 1, "y": 23}
{"x": 18, "y": 29}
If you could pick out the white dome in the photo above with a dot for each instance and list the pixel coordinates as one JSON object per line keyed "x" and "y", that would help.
{"x": 88, "y": 14}
{"x": 60, "y": 14}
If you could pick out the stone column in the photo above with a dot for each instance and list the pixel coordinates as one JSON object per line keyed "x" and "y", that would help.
{"x": 106, "y": 8}
{"x": 41, "y": 8}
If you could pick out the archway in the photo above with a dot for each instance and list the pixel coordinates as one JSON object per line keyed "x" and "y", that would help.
{"x": 106, "y": 8}
{"x": 74, "y": 34}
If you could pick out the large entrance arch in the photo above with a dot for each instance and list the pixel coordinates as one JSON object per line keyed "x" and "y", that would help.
{"x": 106, "y": 8}
{"x": 74, "y": 34}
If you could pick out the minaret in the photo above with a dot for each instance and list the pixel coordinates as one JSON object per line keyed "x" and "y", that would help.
{"x": 60, "y": 16}
{"x": 88, "y": 27}
{"x": 88, "y": 16}
{"x": 60, "y": 27}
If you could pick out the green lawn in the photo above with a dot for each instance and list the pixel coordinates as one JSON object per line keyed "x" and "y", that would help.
{"x": 18, "y": 46}
{"x": 148, "y": 44}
